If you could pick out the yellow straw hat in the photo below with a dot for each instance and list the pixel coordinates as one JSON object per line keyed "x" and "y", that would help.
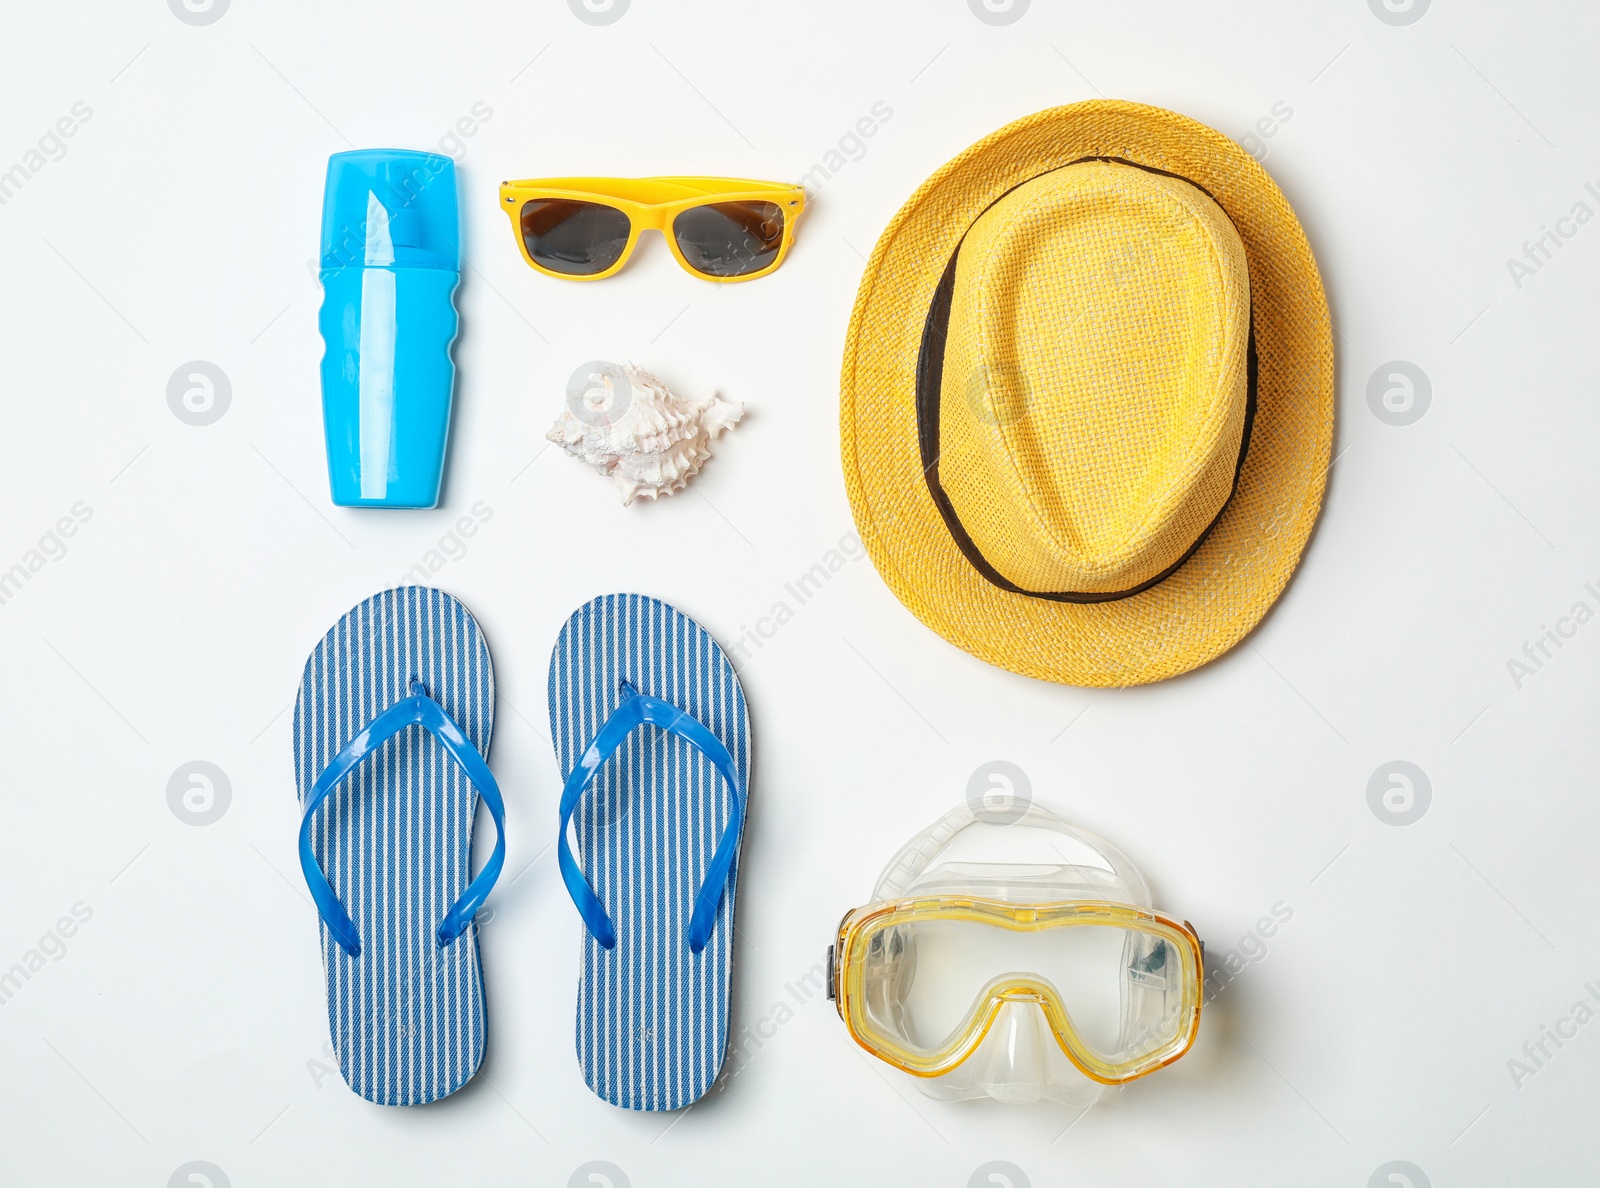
{"x": 1087, "y": 400}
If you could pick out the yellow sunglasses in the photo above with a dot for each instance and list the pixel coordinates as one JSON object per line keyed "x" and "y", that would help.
{"x": 719, "y": 228}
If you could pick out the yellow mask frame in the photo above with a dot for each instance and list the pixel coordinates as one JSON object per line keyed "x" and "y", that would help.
{"x": 860, "y": 926}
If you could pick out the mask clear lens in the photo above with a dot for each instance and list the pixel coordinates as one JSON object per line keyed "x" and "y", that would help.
{"x": 1113, "y": 994}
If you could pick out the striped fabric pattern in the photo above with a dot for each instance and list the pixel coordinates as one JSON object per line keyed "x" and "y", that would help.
{"x": 652, "y": 1023}
{"x": 395, "y": 841}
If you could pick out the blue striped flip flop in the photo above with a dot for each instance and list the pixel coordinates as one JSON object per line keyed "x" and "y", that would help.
{"x": 386, "y": 837}
{"x": 659, "y": 814}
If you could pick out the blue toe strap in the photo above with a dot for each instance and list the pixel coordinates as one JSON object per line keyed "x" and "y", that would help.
{"x": 637, "y": 709}
{"x": 417, "y": 710}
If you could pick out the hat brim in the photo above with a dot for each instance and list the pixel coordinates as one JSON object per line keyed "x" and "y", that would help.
{"x": 1230, "y": 581}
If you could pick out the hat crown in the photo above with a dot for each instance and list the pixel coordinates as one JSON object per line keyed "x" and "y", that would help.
{"x": 1094, "y": 388}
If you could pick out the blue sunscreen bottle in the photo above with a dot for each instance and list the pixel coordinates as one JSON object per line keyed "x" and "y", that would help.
{"x": 391, "y": 260}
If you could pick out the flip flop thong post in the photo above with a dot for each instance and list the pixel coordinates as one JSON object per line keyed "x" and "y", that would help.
{"x": 386, "y": 837}
{"x": 653, "y": 738}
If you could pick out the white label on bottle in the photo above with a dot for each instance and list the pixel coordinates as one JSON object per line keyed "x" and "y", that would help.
{"x": 375, "y": 402}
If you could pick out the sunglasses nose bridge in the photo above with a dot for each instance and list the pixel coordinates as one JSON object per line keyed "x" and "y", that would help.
{"x": 650, "y": 218}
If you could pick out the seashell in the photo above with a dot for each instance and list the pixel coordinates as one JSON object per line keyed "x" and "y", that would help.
{"x": 625, "y": 422}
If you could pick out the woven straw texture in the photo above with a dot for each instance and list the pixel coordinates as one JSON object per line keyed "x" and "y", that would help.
{"x": 1215, "y": 598}
{"x": 1097, "y": 372}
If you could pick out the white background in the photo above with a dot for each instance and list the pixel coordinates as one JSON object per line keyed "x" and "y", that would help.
{"x": 185, "y": 1021}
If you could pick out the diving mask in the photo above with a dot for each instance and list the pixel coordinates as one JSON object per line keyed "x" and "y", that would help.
{"x": 1017, "y": 980}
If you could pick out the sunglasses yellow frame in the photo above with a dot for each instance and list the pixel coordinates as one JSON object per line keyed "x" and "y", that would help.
{"x": 857, "y": 929}
{"x": 652, "y": 203}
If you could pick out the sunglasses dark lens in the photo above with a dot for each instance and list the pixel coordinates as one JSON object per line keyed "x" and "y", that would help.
{"x": 730, "y": 238}
{"x": 573, "y": 238}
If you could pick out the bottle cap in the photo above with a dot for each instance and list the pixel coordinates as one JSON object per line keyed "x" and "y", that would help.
{"x": 394, "y": 207}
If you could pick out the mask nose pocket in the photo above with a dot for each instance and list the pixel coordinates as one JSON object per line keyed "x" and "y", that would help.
{"x": 1011, "y": 1061}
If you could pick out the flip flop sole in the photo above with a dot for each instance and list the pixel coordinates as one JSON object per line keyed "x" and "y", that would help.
{"x": 395, "y": 841}
{"x": 652, "y": 1024}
